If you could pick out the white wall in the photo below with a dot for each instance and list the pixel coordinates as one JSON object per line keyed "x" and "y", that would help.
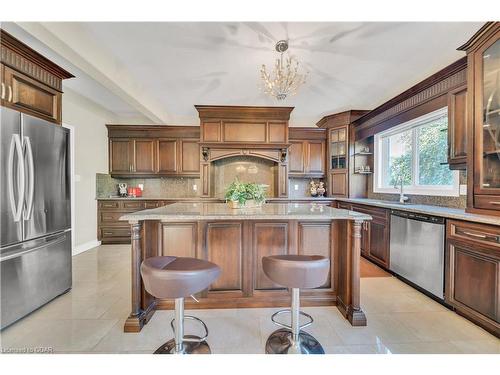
{"x": 91, "y": 157}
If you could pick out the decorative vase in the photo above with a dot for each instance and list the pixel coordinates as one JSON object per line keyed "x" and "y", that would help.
{"x": 321, "y": 189}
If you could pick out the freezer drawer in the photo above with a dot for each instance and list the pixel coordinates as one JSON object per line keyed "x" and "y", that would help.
{"x": 32, "y": 274}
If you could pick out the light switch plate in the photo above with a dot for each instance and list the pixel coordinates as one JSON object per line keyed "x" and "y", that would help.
{"x": 295, "y": 187}
{"x": 463, "y": 189}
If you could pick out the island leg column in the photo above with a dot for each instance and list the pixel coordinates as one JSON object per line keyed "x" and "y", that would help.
{"x": 355, "y": 315}
{"x": 135, "y": 322}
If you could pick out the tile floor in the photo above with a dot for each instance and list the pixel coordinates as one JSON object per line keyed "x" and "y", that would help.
{"x": 89, "y": 319}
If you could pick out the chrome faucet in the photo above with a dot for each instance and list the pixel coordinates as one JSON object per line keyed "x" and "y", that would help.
{"x": 402, "y": 197}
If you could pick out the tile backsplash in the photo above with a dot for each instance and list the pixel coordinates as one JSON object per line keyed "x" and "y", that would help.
{"x": 166, "y": 187}
{"x": 177, "y": 187}
{"x": 454, "y": 202}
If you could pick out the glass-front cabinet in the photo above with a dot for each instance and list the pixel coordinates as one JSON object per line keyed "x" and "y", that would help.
{"x": 338, "y": 148}
{"x": 483, "y": 98}
{"x": 490, "y": 137}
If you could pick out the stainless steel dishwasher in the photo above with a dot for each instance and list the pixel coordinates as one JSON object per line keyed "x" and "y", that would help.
{"x": 417, "y": 250}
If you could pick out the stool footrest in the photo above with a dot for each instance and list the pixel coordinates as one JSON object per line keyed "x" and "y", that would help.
{"x": 188, "y": 339}
{"x": 311, "y": 320}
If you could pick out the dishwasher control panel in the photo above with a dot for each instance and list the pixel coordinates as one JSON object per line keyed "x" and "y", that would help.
{"x": 417, "y": 216}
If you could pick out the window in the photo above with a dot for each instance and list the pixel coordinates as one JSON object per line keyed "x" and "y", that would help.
{"x": 415, "y": 152}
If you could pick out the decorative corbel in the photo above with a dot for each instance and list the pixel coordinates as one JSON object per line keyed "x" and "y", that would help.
{"x": 283, "y": 153}
{"x": 205, "y": 153}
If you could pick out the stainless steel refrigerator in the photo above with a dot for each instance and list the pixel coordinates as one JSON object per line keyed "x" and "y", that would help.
{"x": 35, "y": 217}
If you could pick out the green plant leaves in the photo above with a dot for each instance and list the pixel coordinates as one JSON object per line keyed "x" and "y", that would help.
{"x": 241, "y": 192}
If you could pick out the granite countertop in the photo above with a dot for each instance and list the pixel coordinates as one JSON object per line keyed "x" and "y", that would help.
{"x": 446, "y": 212}
{"x": 221, "y": 211}
{"x": 201, "y": 199}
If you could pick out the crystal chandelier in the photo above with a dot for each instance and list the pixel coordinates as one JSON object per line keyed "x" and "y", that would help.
{"x": 284, "y": 80}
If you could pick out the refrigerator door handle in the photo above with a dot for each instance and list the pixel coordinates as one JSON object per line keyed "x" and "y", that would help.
{"x": 45, "y": 244}
{"x": 31, "y": 179}
{"x": 16, "y": 207}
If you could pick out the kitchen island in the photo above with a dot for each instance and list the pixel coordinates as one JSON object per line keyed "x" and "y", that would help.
{"x": 236, "y": 240}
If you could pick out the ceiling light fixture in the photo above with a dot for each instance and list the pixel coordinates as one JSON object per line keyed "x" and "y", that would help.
{"x": 284, "y": 80}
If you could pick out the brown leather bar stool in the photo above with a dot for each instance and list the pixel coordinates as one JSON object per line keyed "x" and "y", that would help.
{"x": 177, "y": 278}
{"x": 295, "y": 272}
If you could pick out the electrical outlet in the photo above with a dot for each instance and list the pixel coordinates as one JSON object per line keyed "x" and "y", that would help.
{"x": 463, "y": 189}
{"x": 296, "y": 187}
{"x": 195, "y": 187}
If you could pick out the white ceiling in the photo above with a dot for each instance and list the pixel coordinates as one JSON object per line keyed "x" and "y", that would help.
{"x": 159, "y": 71}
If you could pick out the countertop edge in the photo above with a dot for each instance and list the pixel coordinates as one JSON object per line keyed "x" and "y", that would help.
{"x": 440, "y": 211}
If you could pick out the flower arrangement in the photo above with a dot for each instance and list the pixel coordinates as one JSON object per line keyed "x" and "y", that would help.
{"x": 239, "y": 194}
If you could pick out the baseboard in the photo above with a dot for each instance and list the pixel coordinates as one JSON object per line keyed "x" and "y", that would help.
{"x": 84, "y": 247}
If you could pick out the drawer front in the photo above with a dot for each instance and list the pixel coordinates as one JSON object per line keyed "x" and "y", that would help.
{"x": 379, "y": 214}
{"x": 487, "y": 202}
{"x": 343, "y": 205}
{"x": 107, "y": 232}
{"x": 111, "y": 217}
{"x": 133, "y": 205}
{"x": 152, "y": 204}
{"x": 480, "y": 233}
{"x": 109, "y": 204}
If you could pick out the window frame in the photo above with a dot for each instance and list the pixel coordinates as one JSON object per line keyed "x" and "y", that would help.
{"x": 414, "y": 189}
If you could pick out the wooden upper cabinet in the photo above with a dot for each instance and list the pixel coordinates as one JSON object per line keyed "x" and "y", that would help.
{"x": 167, "y": 156}
{"x": 277, "y": 132}
{"x": 155, "y": 154}
{"x": 316, "y": 157}
{"x": 483, "y": 119}
{"x": 245, "y": 132}
{"x": 120, "y": 155}
{"x": 190, "y": 157}
{"x": 296, "y": 153}
{"x": 457, "y": 128}
{"x": 145, "y": 156}
{"x": 244, "y": 125}
{"x": 307, "y": 158}
{"x": 30, "y": 83}
{"x": 307, "y": 152}
{"x": 25, "y": 94}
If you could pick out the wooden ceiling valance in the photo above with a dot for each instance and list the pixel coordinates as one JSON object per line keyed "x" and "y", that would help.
{"x": 426, "y": 96}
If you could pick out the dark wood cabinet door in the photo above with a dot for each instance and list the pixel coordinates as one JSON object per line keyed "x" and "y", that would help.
{"x": 316, "y": 157}
{"x": 315, "y": 239}
{"x": 145, "y": 156}
{"x": 296, "y": 164}
{"x": 338, "y": 184}
{"x": 190, "y": 157}
{"x": 120, "y": 156}
{"x": 167, "y": 156}
{"x": 268, "y": 239}
{"x": 365, "y": 239}
{"x": 457, "y": 128}
{"x": 379, "y": 244}
{"x": 224, "y": 246}
{"x": 473, "y": 282}
{"x": 27, "y": 95}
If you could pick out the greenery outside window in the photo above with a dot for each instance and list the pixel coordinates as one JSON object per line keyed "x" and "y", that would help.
{"x": 415, "y": 152}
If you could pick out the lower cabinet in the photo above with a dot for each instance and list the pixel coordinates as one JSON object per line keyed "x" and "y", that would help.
{"x": 473, "y": 272}
{"x": 110, "y": 229}
{"x": 374, "y": 234}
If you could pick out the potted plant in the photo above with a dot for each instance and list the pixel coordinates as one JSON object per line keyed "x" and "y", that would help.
{"x": 245, "y": 195}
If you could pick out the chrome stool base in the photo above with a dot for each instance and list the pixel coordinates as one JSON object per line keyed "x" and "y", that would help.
{"x": 280, "y": 342}
{"x": 187, "y": 347}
